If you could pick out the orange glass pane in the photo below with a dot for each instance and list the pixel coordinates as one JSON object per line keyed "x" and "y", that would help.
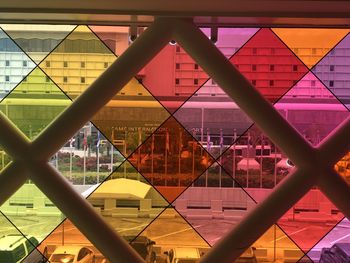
{"x": 171, "y": 159}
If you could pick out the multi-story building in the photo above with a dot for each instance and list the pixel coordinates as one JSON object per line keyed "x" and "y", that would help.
{"x": 264, "y": 60}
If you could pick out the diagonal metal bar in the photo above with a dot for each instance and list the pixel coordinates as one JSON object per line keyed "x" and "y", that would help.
{"x": 17, "y": 145}
{"x": 103, "y": 88}
{"x": 14, "y": 142}
{"x": 80, "y": 212}
{"x": 9, "y": 185}
{"x": 336, "y": 189}
{"x": 242, "y": 92}
{"x": 334, "y": 147}
{"x": 259, "y": 220}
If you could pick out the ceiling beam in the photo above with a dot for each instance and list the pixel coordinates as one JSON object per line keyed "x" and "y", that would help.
{"x": 244, "y": 12}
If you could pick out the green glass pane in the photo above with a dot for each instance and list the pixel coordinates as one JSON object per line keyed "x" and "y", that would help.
{"x": 32, "y": 212}
{"x": 37, "y": 40}
{"x": 34, "y": 103}
{"x": 14, "y": 64}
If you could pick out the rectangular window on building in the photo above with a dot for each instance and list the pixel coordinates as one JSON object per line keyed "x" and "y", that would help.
{"x": 313, "y": 83}
{"x": 178, "y": 49}
{"x": 7, "y": 63}
{"x": 331, "y": 68}
{"x": 47, "y": 63}
{"x": 82, "y": 80}
{"x": 82, "y": 64}
{"x": 65, "y": 79}
{"x": 7, "y": 78}
{"x": 105, "y": 65}
{"x": 195, "y": 66}
{"x": 272, "y": 67}
{"x": 65, "y": 64}
{"x": 272, "y": 83}
{"x": 331, "y": 83}
{"x": 254, "y": 82}
{"x": 295, "y": 67}
{"x": 253, "y": 67}
{"x": 25, "y": 63}
{"x": 177, "y": 81}
{"x": 195, "y": 81}
{"x": 177, "y": 65}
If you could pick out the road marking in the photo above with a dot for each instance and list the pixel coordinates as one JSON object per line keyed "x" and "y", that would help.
{"x": 176, "y": 232}
{"x": 335, "y": 241}
{"x": 131, "y": 228}
{"x": 291, "y": 234}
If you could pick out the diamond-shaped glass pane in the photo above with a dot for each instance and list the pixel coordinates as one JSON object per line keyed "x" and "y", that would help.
{"x": 171, "y": 159}
{"x": 32, "y": 212}
{"x": 34, "y": 103}
{"x": 214, "y": 204}
{"x": 268, "y": 63}
{"x": 126, "y": 201}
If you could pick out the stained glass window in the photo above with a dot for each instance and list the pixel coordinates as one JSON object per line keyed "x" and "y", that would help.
{"x": 172, "y": 163}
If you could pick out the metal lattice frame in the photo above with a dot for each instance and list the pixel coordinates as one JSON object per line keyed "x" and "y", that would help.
{"x": 314, "y": 164}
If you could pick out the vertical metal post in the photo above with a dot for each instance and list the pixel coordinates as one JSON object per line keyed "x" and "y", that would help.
{"x": 70, "y": 163}
{"x": 152, "y": 158}
{"x": 166, "y": 156}
{"x": 234, "y": 156}
{"x": 180, "y": 149}
{"x": 261, "y": 160}
{"x": 248, "y": 156}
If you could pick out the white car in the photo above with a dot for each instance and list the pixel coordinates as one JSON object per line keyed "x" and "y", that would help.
{"x": 72, "y": 254}
{"x": 17, "y": 248}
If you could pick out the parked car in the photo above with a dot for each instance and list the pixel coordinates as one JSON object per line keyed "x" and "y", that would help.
{"x": 18, "y": 248}
{"x": 72, "y": 254}
{"x": 338, "y": 253}
{"x": 143, "y": 246}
